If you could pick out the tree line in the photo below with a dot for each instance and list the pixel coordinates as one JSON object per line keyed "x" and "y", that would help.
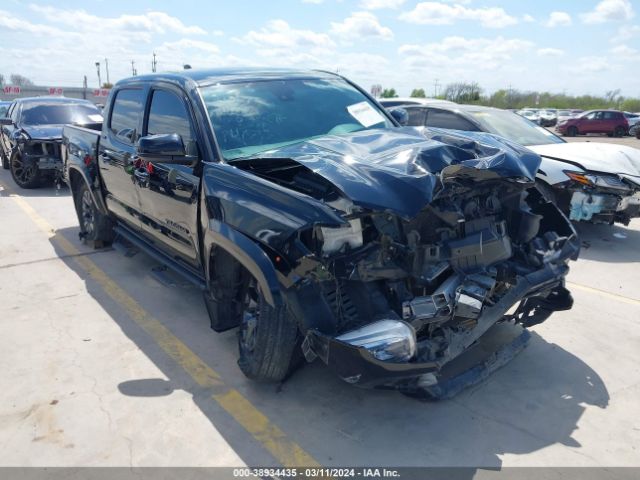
{"x": 471, "y": 92}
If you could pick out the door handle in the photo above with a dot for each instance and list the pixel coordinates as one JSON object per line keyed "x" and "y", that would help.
{"x": 141, "y": 177}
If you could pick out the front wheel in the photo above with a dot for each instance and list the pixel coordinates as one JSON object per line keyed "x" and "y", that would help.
{"x": 25, "y": 173}
{"x": 572, "y": 131}
{"x": 96, "y": 228}
{"x": 267, "y": 338}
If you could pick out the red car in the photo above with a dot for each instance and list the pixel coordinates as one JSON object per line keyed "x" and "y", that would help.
{"x": 611, "y": 122}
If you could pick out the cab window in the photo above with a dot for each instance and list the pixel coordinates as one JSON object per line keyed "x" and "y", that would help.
{"x": 168, "y": 114}
{"x": 125, "y": 115}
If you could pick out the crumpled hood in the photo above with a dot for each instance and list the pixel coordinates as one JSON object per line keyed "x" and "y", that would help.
{"x": 402, "y": 169}
{"x": 43, "y": 132}
{"x": 594, "y": 156}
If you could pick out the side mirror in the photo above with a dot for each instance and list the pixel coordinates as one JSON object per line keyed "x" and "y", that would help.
{"x": 400, "y": 115}
{"x": 164, "y": 148}
{"x": 5, "y": 121}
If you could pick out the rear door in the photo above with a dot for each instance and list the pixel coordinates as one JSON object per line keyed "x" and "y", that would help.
{"x": 117, "y": 151}
{"x": 169, "y": 199}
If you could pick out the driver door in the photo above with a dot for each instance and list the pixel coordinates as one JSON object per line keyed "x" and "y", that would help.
{"x": 169, "y": 192}
{"x": 591, "y": 123}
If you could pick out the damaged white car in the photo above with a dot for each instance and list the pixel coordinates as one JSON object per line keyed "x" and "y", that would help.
{"x": 588, "y": 181}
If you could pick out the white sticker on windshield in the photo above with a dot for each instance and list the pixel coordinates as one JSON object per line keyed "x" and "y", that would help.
{"x": 364, "y": 113}
{"x": 95, "y": 118}
{"x": 545, "y": 131}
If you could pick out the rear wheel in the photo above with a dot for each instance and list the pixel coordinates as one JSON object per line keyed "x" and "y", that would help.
{"x": 96, "y": 229}
{"x": 267, "y": 338}
{"x": 25, "y": 173}
{"x": 619, "y": 132}
{"x": 572, "y": 131}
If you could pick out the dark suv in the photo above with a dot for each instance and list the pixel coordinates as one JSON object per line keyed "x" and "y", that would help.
{"x": 611, "y": 122}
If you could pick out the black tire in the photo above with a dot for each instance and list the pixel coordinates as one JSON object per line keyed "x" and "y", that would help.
{"x": 267, "y": 339}
{"x": 619, "y": 132}
{"x": 25, "y": 176}
{"x": 572, "y": 131}
{"x": 96, "y": 229}
{"x": 638, "y": 133}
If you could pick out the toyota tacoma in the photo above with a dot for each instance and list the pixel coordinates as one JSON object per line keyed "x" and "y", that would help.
{"x": 318, "y": 226}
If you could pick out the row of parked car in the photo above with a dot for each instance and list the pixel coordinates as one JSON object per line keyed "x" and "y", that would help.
{"x": 614, "y": 123}
{"x": 385, "y": 243}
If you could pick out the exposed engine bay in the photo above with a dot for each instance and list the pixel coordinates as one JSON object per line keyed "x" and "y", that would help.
{"x": 408, "y": 295}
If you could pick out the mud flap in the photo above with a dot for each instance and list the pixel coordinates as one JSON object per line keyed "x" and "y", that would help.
{"x": 493, "y": 350}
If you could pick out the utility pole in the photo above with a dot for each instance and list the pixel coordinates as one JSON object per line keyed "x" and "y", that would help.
{"x": 106, "y": 66}
{"x": 98, "y": 69}
{"x": 84, "y": 86}
{"x": 435, "y": 88}
{"x": 154, "y": 63}
{"x": 133, "y": 68}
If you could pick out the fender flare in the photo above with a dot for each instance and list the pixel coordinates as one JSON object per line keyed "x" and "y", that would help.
{"x": 247, "y": 253}
{"x": 96, "y": 194}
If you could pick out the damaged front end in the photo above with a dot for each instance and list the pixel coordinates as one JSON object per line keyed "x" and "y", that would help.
{"x": 394, "y": 294}
{"x": 600, "y": 198}
{"x": 41, "y": 154}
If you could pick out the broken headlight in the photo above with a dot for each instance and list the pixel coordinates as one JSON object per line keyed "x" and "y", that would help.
{"x": 335, "y": 238}
{"x": 388, "y": 340}
{"x": 592, "y": 180}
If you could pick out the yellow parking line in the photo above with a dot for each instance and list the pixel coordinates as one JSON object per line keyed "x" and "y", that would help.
{"x": 604, "y": 293}
{"x": 274, "y": 440}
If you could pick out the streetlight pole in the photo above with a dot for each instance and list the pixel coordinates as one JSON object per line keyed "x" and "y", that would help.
{"x": 106, "y": 66}
{"x": 98, "y": 69}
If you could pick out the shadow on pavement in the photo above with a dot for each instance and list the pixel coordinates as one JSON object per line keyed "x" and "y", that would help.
{"x": 609, "y": 243}
{"x": 46, "y": 190}
{"x": 534, "y": 402}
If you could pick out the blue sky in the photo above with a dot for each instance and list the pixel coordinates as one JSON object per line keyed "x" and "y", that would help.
{"x": 576, "y": 46}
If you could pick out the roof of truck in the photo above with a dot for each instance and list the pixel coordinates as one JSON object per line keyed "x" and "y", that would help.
{"x": 216, "y": 75}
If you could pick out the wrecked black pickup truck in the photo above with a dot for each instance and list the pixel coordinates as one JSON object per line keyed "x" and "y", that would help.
{"x": 319, "y": 226}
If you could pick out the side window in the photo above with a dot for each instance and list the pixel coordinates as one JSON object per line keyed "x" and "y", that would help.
{"x": 610, "y": 115}
{"x": 444, "y": 119}
{"x": 168, "y": 114}
{"x": 125, "y": 115}
{"x": 416, "y": 116}
{"x": 591, "y": 116}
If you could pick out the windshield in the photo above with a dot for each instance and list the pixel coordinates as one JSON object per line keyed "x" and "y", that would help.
{"x": 514, "y": 127}
{"x": 253, "y": 117}
{"x": 60, "y": 114}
